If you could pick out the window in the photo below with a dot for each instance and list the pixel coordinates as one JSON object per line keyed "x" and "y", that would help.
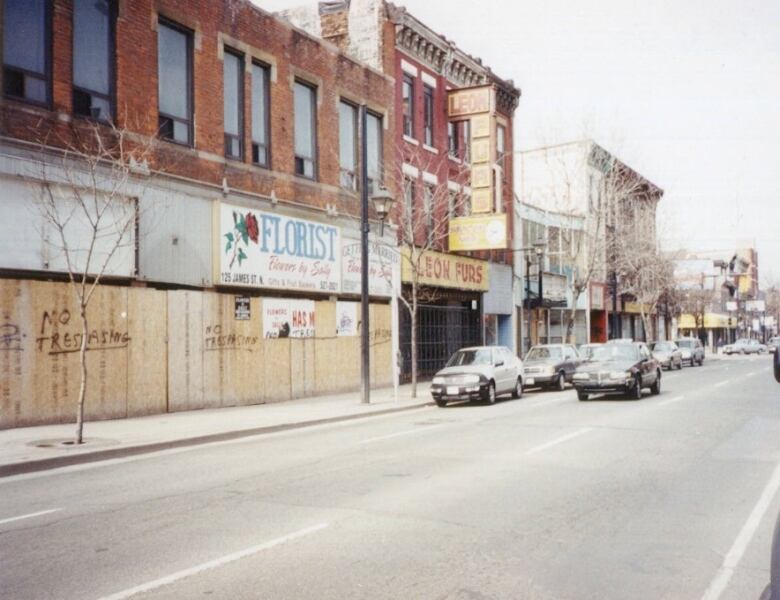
{"x": 428, "y": 195}
{"x": 93, "y": 58}
{"x": 452, "y": 206}
{"x": 348, "y": 145}
{"x": 452, "y": 138}
{"x": 467, "y": 141}
{"x": 174, "y": 87}
{"x": 409, "y": 212}
{"x": 501, "y": 149}
{"x": 260, "y": 115}
{"x": 26, "y": 56}
{"x": 407, "y": 92}
{"x": 233, "y": 72}
{"x": 374, "y": 151}
{"x": 305, "y": 128}
{"x": 428, "y": 114}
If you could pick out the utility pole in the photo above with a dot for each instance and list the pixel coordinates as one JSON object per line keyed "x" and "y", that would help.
{"x": 365, "y": 384}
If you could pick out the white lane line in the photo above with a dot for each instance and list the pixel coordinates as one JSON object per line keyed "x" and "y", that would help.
{"x": 398, "y": 434}
{"x": 721, "y": 384}
{"x": 751, "y": 374}
{"x": 671, "y": 400}
{"x": 212, "y": 564}
{"x": 556, "y": 441}
{"x": 29, "y": 516}
{"x": 183, "y": 449}
{"x": 723, "y": 576}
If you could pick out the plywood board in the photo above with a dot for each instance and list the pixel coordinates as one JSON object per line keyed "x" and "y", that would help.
{"x": 17, "y": 351}
{"x": 147, "y": 364}
{"x": 276, "y": 370}
{"x": 185, "y": 350}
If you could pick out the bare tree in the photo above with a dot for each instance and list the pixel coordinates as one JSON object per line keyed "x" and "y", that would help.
{"x": 85, "y": 197}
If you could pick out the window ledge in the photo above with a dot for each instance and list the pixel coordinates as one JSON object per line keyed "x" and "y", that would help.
{"x": 455, "y": 159}
{"x": 430, "y": 148}
{"x": 411, "y": 140}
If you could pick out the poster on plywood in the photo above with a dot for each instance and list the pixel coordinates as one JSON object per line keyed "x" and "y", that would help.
{"x": 283, "y": 318}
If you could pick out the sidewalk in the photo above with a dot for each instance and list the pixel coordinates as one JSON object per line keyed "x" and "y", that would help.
{"x": 27, "y": 449}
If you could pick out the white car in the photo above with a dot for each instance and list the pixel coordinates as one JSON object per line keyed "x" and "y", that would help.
{"x": 481, "y": 372}
{"x": 745, "y": 346}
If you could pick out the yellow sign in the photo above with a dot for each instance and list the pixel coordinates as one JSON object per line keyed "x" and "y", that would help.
{"x": 444, "y": 270}
{"x": 470, "y": 101}
{"x": 481, "y": 176}
{"x": 635, "y": 308}
{"x": 480, "y": 126}
{"x": 487, "y": 232}
{"x": 711, "y": 321}
{"x": 481, "y": 201}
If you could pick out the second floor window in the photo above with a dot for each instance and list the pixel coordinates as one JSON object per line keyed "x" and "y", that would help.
{"x": 348, "y": 145}
{"x": 429, "y": 194}
{"x": 501, "y": 149}
{"x": 453, "y": 142}
{"x": 374, "y": 151}
{"x": 233, "y": 70}
{"x": 467, "y": 141}
{"x": 407, "y": 93}
{"x": 26, "y": 58}
{"x": 305, "y": 102}
{"x": 174, "y": 86}
{"x": 260, "y": 115}
{"x": 428, "y": 113}
{"x": 93, "y": 58}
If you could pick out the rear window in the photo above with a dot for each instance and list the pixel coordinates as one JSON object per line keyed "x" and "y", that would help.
{"x": 538, "y": 352}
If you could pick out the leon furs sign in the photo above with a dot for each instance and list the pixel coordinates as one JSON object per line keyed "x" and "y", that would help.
{"x": 261, "y": 249}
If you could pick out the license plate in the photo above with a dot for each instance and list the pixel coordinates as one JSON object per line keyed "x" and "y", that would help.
{"x": 453, "y": 390}
{"x": 530, "y": 381}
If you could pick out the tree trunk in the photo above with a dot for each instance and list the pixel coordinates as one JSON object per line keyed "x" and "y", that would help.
{"x": 414, "y": 341}
{"x": 572, "y": 318}
{"x": 645, "y": 325}
{"x": 83, "y": 385}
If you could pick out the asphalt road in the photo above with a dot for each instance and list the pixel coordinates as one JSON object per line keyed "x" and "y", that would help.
{"x": 674, "y": 496}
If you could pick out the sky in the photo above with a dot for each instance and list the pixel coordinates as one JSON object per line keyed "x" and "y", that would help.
{"x": 687, "y": 92}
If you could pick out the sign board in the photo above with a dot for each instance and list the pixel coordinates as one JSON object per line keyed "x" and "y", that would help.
{"x": 554, "y": 289}
{"x": 243, "y": 308}
{"x": 732, "y": 306}
{"x": 445, "y": 270}
{"x": 483, "y": 232}
{"x": 470, "y": 101}
{"x": 347, "y": 318}
{"x": 264, "y": 249}
{"x": 383, "y": 261}
{"x": 283, "y": 317}
{"x": 755, "y": 306}
{"x": 597, "y": 296}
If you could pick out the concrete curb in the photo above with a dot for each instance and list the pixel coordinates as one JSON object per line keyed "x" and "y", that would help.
{"x": 45, "y": 464}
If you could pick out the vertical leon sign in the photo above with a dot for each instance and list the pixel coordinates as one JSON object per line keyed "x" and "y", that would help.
{"x": 267, "y": 249}
{"x": 478, "y": 105}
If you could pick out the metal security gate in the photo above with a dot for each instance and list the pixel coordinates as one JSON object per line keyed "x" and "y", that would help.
{"x": 441, "y": 330}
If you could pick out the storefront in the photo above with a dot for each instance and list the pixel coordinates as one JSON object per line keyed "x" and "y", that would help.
{"x": 599, "y": 327}
{"x": 449, "y": 315}
{"x": 715, "y": 329}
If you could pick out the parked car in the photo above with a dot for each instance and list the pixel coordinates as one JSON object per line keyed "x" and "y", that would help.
{"x": 745, "y": 346}
{"x": 550, "y": 365}
{"x": 619, "y": 368}
{"x": 667, "y": 354}
{"x": 481, "y": 372}
{"x": 586, "y": 350}
{"x": 692, "y": 350}
{"x": 772, "y": 591}
{"x": 773, "y": 344}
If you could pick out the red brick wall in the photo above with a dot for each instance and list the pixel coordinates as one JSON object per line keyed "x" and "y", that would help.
{"x": 136, "y": 85}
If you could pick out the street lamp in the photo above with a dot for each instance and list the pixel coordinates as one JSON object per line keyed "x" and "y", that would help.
{"x": 537, "y": 248}
{"x": 383, "y": 202}
{"x": 613, "y": 283}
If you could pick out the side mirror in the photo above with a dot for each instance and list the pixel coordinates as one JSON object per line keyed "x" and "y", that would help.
{"x": 777, "y": 365}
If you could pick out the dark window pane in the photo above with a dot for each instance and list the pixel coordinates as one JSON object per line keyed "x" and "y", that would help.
{"x": 407, "y": 91}
{"x": 92, "y": 45}
{"x": 232, "y": 68}
{"x": 13, "y": 83}
{"x": 173, "y": 86}
{"x": 428, "y": 114}
{"x": 181, "y": 132}
{"x": 35, "y": 88}
{"x": 24, "y": 35}
{"x": 260, "y": 113}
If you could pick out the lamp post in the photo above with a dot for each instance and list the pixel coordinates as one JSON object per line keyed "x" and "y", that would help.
{"x": 613, "y": 283}
{"x": 538, "y": 248}
{"x": 383, "y": 202}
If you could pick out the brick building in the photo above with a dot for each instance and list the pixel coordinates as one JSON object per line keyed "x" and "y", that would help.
{"x": 246, "y": 110}
{"x": 432, "y": 166}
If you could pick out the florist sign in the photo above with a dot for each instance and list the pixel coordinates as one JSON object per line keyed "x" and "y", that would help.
{"x": 260, "y": 249}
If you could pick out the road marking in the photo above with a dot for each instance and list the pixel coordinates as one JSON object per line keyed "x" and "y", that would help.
{"x": 721, "y": 384}
{"x": 212, "y": 564}
{"x": 29, "y": 516}
{"x": 723, "y": 576}
{"x": 750, "y": 374}
{"x": 398, "y": 434}
{"x": 174, "y": 451}
{"x": 556, "y": 441}
{"x": 671, "y": 400}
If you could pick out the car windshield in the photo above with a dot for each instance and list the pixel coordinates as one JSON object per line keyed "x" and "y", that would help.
{"x": 685, "y": 343}
{"x": 616, "y": 352}
{"x": 587, "y": 351}
{"x": 480, "y": 356}
{"x": 662, "y": 347}
{"x": 542, "y": 352}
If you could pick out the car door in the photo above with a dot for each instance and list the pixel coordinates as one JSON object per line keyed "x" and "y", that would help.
{"x": 499, "y": 369}
{"x": 510, "y": 368}
{"x": 570, "y": 361}
{"x": 650, "y": 373}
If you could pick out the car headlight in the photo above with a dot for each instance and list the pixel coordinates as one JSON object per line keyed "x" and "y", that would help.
{"x": 581, "y": 376}
{"x": 619, "y": 374}
{"x": 439, "y": 381}
{"x": 469, "y": 379}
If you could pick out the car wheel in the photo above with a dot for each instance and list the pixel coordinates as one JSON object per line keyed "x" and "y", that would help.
{"x": 491, "y": 393}
{"x": 440, "y": 402}
{"x": 518, "y": 391}
{"x": 655, "y": 389}
{"x": 560, "y": 382}
{"x": 636, "y": 391}
{"x": 582, "y": 396}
